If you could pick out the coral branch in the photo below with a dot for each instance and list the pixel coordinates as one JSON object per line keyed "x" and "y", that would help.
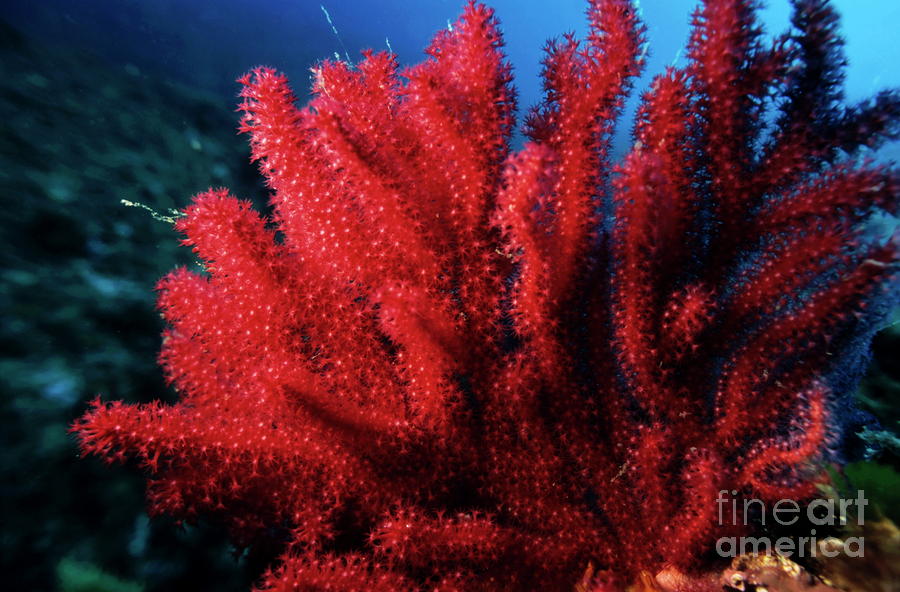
{"x": 445, "y": 365}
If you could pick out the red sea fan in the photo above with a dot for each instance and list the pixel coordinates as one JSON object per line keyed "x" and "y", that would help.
{"x": 441, "y": 365}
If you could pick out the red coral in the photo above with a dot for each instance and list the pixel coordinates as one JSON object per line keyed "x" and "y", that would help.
{"x": 443, "y": 365}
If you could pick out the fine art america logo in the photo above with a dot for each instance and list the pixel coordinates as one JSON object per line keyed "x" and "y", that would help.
{"x": 735, "y": 512}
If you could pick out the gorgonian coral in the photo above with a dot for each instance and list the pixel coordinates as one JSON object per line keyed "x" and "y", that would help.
{"x": 444, "y": 365}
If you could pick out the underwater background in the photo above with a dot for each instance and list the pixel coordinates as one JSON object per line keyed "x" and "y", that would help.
{"x": 104, "y": 101}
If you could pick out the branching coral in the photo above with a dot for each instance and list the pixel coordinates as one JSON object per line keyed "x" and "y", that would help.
{"x": 445, "y": 365}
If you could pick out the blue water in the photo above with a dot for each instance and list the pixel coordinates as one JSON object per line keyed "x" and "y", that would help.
{"x": 205, "y": 39}
{"x": 208, "y": 43}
